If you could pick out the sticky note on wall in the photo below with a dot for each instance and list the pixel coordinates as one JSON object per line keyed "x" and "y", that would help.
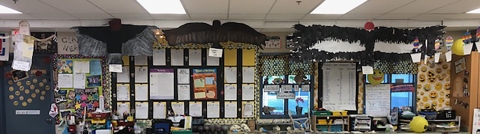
{"x": 230, "y": 57}
{"x": 248, "y": 57}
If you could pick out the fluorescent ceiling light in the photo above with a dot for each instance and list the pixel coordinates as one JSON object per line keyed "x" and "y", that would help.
{"x": 474, "y": 11}
{"x": 7, "y": 10}
{"x": 163, "y": 6}
{"x": 337, "y": 6}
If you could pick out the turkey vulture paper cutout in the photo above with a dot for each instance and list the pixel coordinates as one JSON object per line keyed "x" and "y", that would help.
{"x": 202, "y": 33}
{"x": 115, "y": 40}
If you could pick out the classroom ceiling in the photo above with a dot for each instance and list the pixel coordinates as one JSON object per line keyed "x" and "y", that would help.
{"x": 255, "y": 11}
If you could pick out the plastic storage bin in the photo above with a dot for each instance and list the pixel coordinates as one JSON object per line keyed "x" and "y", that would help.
{"x": 322, "y": 113}
{"x": 339, "y": 113}
{"x": 428, "y": 115}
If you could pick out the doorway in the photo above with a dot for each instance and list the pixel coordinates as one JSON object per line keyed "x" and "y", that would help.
{"x": 26, "y": 98}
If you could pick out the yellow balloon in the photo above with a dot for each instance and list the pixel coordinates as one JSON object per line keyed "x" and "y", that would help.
{"x": 418, "y": 124}
{"x": 457, "y": 47}
{"x": 375, "y": 78}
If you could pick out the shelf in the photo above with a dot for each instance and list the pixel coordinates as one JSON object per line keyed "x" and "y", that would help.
{"x": 316, "y": 116}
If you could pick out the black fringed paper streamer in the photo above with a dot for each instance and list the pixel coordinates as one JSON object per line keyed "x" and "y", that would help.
{"x": 203, "y": 33}
{"x": 306, "y": 37}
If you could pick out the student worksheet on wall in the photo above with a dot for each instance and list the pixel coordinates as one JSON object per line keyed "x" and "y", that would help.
{"x": 176, "y": 56}
{"x": 213, "y": 109}
{"x": 159, "y": 110}
{"x": 230, "y": 92}
{"x": 178, "y": 108}
{"x": 162, "y": 84}
{"x": 123, "y": 76}
{"x": 195, "y": 109}
{"x": 159, "y": 57}
{"x": 230, "y": 109}
{"x": 377, "y": 100}
{"x": 339, "y": 86}
{"x": 141, "y": 74}
{"x": 195, "y": 57}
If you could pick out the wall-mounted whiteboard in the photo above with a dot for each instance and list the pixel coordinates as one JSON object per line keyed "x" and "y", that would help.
{"x": 377, "y": 100}
{"x": 339, "y": 86}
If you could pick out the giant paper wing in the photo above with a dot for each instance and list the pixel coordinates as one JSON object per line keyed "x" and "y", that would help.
{"x": 130, "y": 40}
{"x": 202, "y": 33}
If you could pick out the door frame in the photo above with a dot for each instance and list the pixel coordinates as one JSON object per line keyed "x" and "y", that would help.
{"x": 3, "y": 121}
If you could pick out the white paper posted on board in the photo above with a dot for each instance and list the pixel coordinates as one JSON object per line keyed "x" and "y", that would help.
{"x": 377, "y": 100}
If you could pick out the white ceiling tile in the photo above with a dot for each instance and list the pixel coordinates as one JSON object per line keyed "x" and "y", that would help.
{"x": 321, "y": 16}
{"x": 29, "y": 6}
{"x": 396, "y": 16}
{"x": 132, "y": 15}
{"x": 52, "y": 16}
{"x": 92, "y": 16}
{"x": 461, "y": 6}
{"x": 206, "y": 6}
{"x": 120, "y": 6}
{"x": 359, "y": 16}
{"x": 422, "y": 6}
{"x": 446, "y": 16}
{"x": 379, "y": 6}
{"x": 292, "y": 7}
{"x": 16, "y": 16}
{"x": 250, "y": 6}
{"x": 284, "y": 17}
{"x": 73, "y": 6}
{"x": 247, "y": 17}
{"x": 208, "y": 16}
{"x": 170, "y": 16}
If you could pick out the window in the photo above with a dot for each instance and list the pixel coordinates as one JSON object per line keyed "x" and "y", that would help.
{"x": 281, "y": 108}
{"x": 402, "y": 90}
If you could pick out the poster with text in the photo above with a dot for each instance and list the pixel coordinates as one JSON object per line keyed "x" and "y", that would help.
{"x": 67, "y": 43}
{"x": 205, "y": 84}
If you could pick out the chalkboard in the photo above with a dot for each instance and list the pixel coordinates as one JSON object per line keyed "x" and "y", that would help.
{"x": 377, "y": 100}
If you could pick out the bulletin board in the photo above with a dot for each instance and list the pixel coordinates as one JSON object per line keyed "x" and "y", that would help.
{"x": 80, "y": 82}
{"x": 191, "y": 83}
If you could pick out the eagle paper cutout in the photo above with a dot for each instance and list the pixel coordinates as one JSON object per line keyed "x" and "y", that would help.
{"x": 115, "y": 41}
{"x": 202, "y": 33}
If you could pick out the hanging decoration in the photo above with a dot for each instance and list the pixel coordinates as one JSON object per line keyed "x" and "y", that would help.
{"x": 416, "y": 46}
{"x": 116, "y": 40}
{"x": 477, "y": 35}
{"x": 369, "y": 26}
{"x": 457, "y": 47}
{"x": 203, "y": 33}
{"x": 449, "y": 42}
{"x": 467, "y": 37}
{"x": 308, "y": 36}
{"x": 24, "y": 46}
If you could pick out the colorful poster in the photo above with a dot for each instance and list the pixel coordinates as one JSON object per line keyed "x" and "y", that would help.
{"x": 205, "y": 84}
{"x": 65, "y": 67}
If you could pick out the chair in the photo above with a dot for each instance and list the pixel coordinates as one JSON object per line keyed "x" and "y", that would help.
{"x": 302, "y": 123}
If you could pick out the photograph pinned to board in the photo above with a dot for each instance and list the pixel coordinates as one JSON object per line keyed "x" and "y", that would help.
{"x": 65, "y": 66}
{"x": 19, "y": 75}
{"x": 94, "y": 80}
{"x": 205, "y": 84}
{"x": 273, "y": 42}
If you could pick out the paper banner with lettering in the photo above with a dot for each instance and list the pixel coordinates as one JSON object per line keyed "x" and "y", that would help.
{"x": 4, "y": 49}
{"x": 67, "y": 43}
